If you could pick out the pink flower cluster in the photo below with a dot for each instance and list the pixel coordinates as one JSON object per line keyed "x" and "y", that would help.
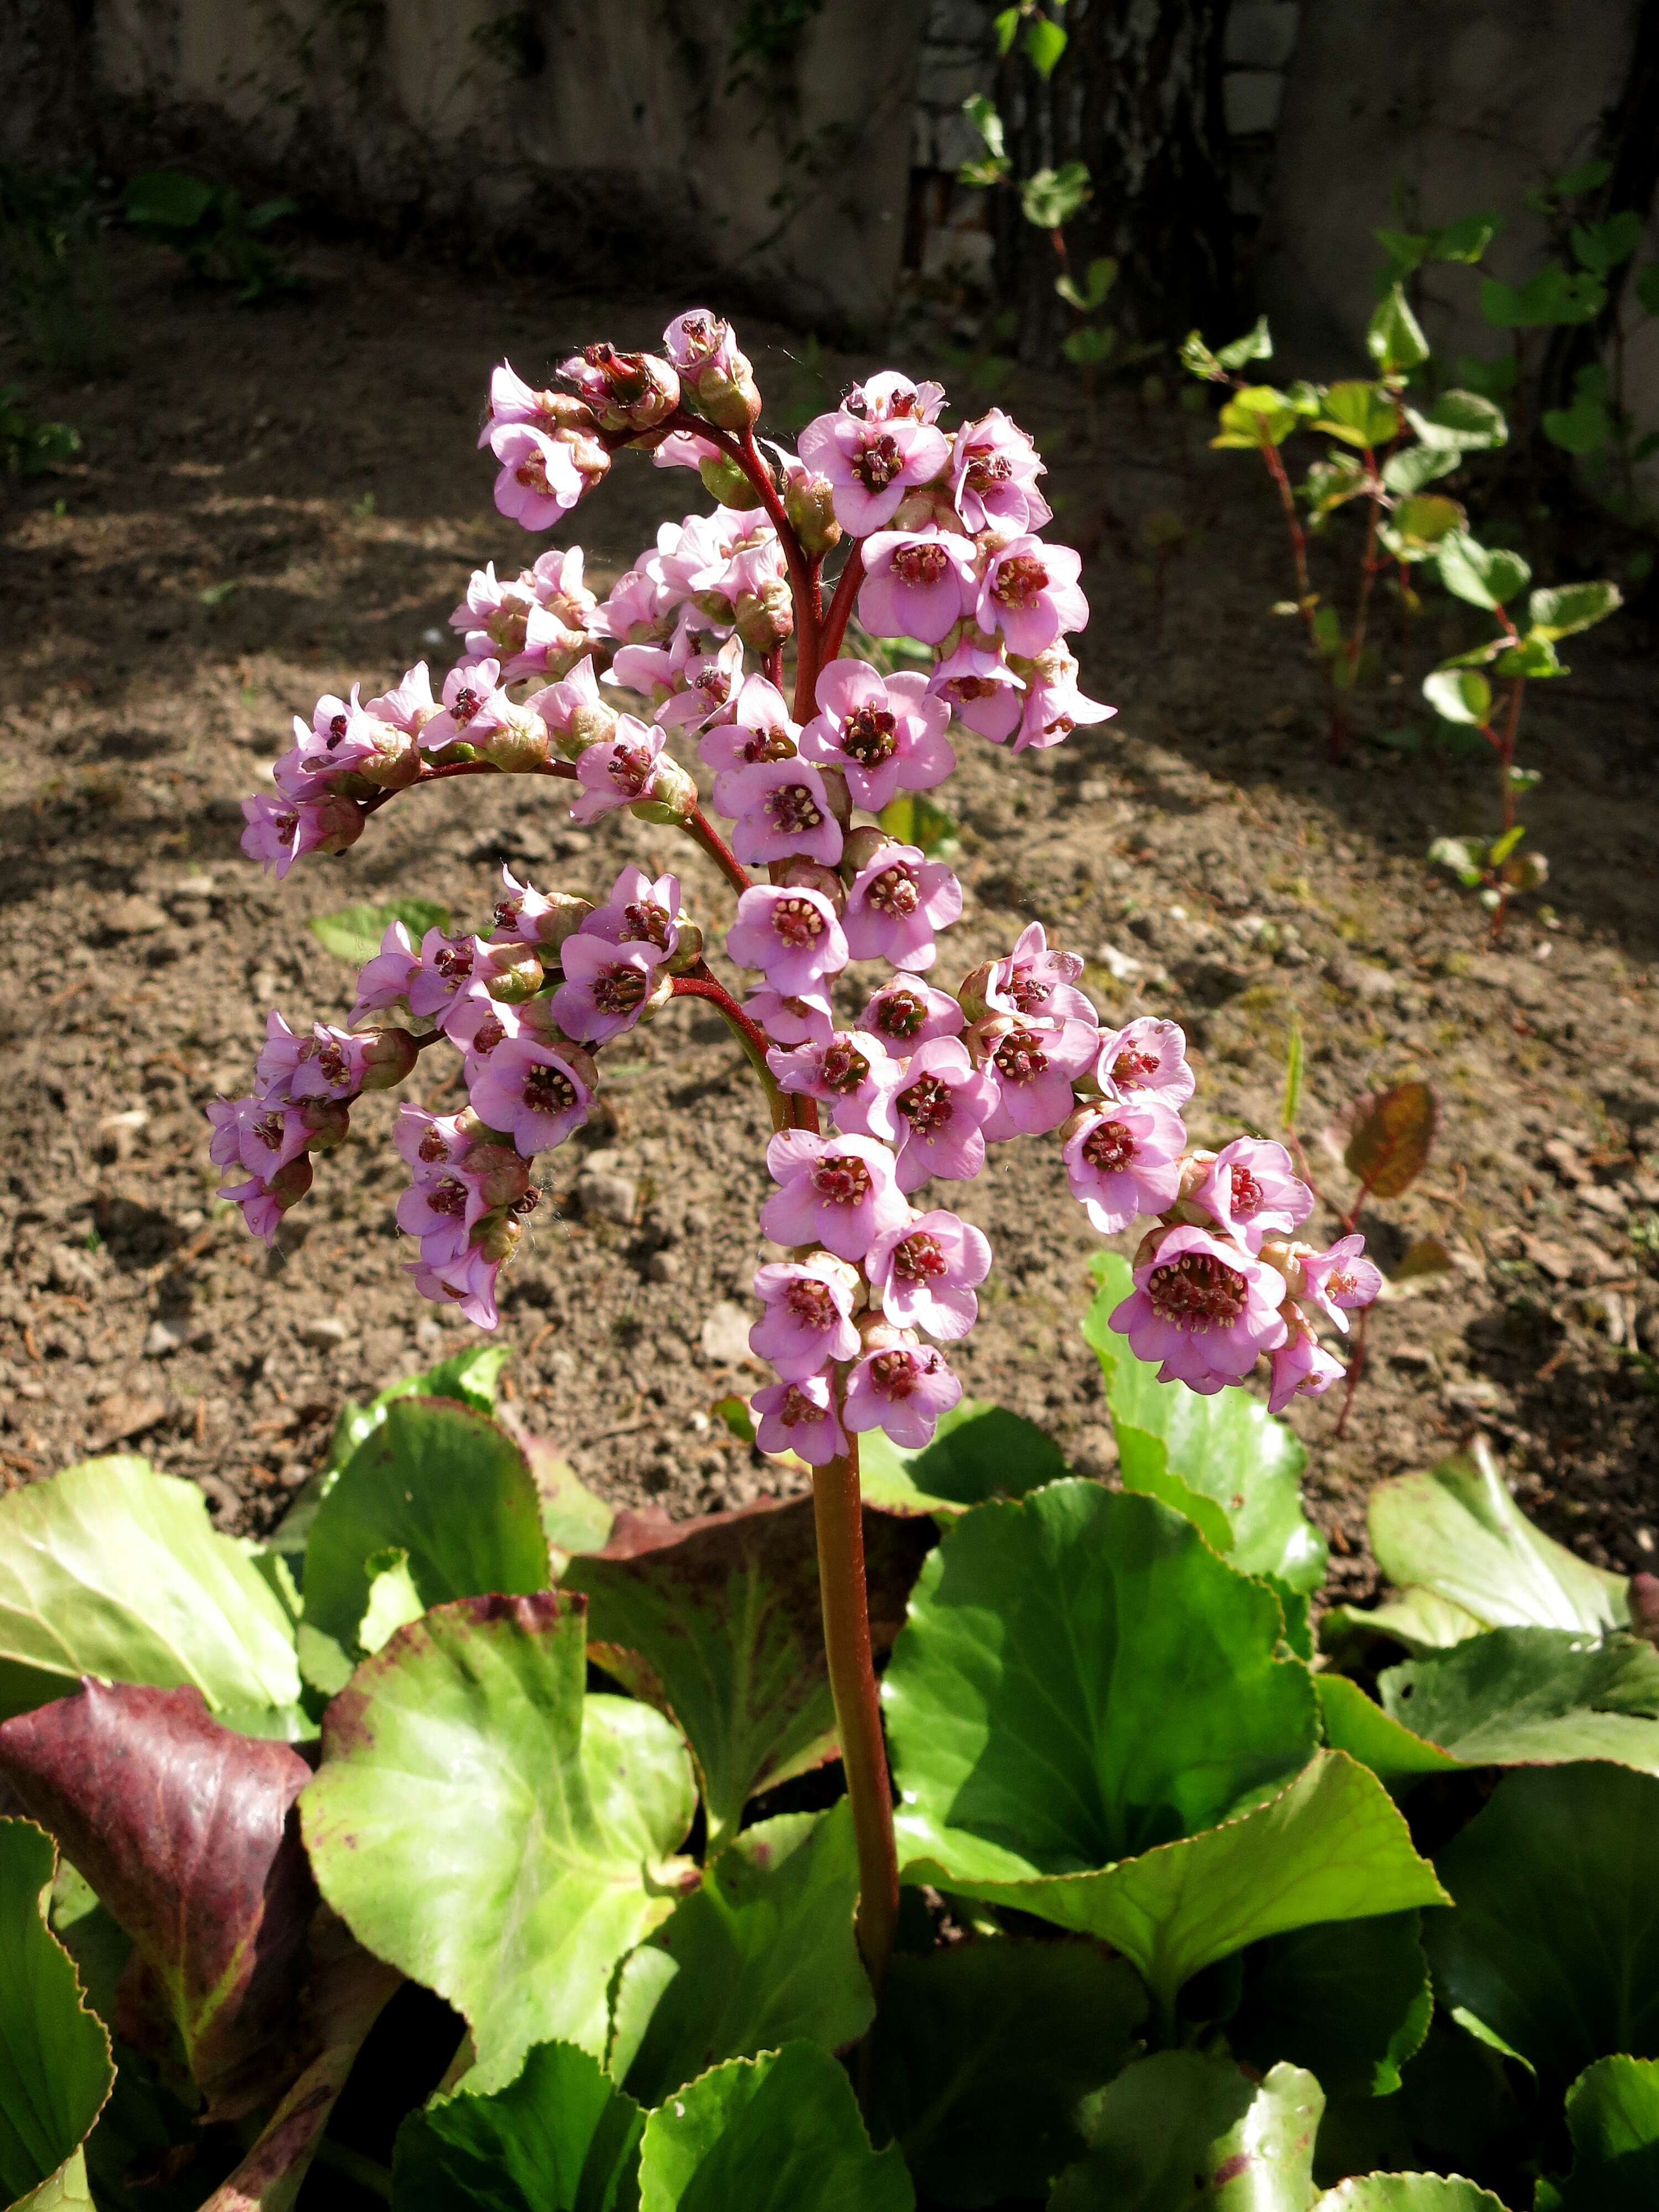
{"x": 940, "y": 531}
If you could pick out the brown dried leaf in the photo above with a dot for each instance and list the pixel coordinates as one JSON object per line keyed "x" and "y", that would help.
{"x": 1386, "y": 1137}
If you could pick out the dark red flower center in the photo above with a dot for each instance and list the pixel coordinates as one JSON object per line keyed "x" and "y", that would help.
{"x": 337, "y": 730}
{"x": 921, "y": 1258}
{"x": 869, "y": 736}
{"x": 619, "y": 990}
{"x": 985, "y": 471}
{"x": 798, "y": 1408}
{"x": 842, "y": 1179}
{"x": 901, "y": 1013}
{"x": 432, "y": 1148}
{"x": 448, "y": 1197}
{"x": 880, "y": 463}
{"x": 489, "y": 1034}
{"x": 632, "y": 767}
{"x": 1109, "y": 1147}
{"x": 811, "y": 1303}
{"x": 1247, "y": 1192}
{"x": 1197, "y": 1292}
{"x": 771, "y": 745}
{"x": 1019, "y": 1056}
{"x": 793, "y": 809}
{"x": 1132, "y": 1068}
{"x": 269, "y": 1131}
{"x": 927, "y": 1105}
{"x": 896, "y": 891}
{"x": 647, "y": 923}
{"x": 796, "y": 922}
{"x": 1019, "y": 581}
{"x": 920, "y": 564}
{"x": 843, "y": 1068}
{"x": 894, "y": 1374}
{"x": 453, "y": 962}
{"x": 548, "y": 1090}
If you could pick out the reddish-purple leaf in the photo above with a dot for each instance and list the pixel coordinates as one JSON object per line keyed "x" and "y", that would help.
{"x": 1386, "y": 1137}
{"x": 186, "y": 1833}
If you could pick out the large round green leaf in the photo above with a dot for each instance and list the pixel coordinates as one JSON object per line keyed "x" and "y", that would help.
{"x": 1180, "y": 2133}
{"x": 1533, "y": 1696}
{"x": 439, "y": 1482}
{"x": 1612, "y": 2115}
{"x": 1553, "y": 1950}
{"x": 1081, "y": 1679}
{"x": 978, "y": 1452}
{"x": 716, "y": 1621}
{"x": 1223, "y": 1460}
{"x": 484, "y": 1826}
{"x": 559, "y": 2138}
{"x": 1356, "y": 1725}
{"x": 1349, "y": 1999}
{"x": 762, "y": 1953}
{"x": 776, "y": 2134}
{"x": 55, "y": 2070}
{"x": 1408, "y": 2192}
{"x": 110, "y": 1569}
{"x": 982, "y": 2058}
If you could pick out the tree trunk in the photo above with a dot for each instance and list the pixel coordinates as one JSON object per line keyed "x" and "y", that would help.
{"x": 1137, "y": 97}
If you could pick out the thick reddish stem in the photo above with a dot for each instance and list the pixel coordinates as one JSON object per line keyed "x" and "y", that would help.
{"x": 838, "y": 1513}
{"x": 702, "y": 985}
{"x": 698, "y": 826}
{"x": 840, "y": 606}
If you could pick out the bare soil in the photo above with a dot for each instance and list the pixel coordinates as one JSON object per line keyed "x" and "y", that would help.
{"x": 273, "y": 504}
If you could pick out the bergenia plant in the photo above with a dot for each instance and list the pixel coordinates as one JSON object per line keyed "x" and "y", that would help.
{"x": 724, "y": 649}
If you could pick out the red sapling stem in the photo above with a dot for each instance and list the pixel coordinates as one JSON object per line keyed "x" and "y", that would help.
{"x": 698, "y": 826}
{"x": 751, "y": 1039}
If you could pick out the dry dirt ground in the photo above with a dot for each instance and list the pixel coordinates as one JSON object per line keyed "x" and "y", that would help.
{"x": 273, "y": 504}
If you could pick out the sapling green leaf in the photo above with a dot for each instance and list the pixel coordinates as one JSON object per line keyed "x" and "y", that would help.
{"x": 1459, "y": 423}
{"x": 1006, "y": 24}
{"x": 1572, "y": 607}
{"x": 1485, "y": 577}
{"x": 1466, "y": 239}
{"x": 1534, "y": 658}
{"x": 1602, "y": 245}
{"x": 1554, "y": 296}
{"x": 1050, "y": 198}
{"x": 1414, "y": 467}
{"x": 982, "y": 114}
{"x": 1358, "y": 413}
{"x": 1256, "y": 344}
{"x": 1044, "y": 42}
{"x": 1394, "y": 336}
{"x": 1500, "y": 848}
{"x": 561, "y": 2137}
{"x": 1089, "y": 346}
{"x": 1466, "y": 858}
{"x": 1459, "y": 695}
{"x": 1418, "y": 524}
{"x": 1101, "y": 276}
{"x": 1198, "y": 360}
{"x": 354, "y": 933}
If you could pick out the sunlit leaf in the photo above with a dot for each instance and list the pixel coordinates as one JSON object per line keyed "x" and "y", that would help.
{"x": 1180, "y": 2131}
{"x": 1485, "y": 577}
{"x": 55, "y": 2071}
{"x": 1459, "y": 422}
{"x": 1386, "y": 1137}
{"x": 354, "y": 933}
{"x": 1533, "y": 1696}
{"x": 1459, "y": 695}
{"x": 1573, "y": 607}
{"x": 1394, "y": 336}
{"x": 978, "y": 1452}
{"x": 561, "y": 2137}
{"x": 1612, "y": 2115}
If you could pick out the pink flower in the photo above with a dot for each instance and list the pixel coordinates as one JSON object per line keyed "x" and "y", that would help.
{"x": 1124, "y": 1159}
{"x": 512, "y": 400}
{"x": 980, "y": 690}
{"x": 791, "y": 935}
{"x": 1336, "y": 1281}
{"x": 605, "y": 986}
{"x": 1033, "y": 981}
{"x": 468, "y": 1283}
{"x": 1053, "y": 705}
{"x": 1254, "y": 1192}
{"x": 1031, "y": 594}
{"x": 1300, "y": 1367}
{"x": 641, "y": 910}
{"x": 476, "y": 1023}
{"x": 429, "y": 1141}
{"x": 908, "y": 1012}
{"x": 264, "y": 1203}
{"x": 574, "y": 695}
{"x": 901, "y": 1391}
{"x": 385, "y": 980}
{"x": 1145, "y": 1054}
{"x": 800, "y": 1418}
{"x": 758, "y": 729}
{"x": 534, "y": 1092}
{"x": 891, "y": 397}
{"x": 260, "y": 1135}
{"x": 329, "y": 1064}
{"x": 640, "y": 603}
{"x": 550, "y": 647}
{"x": 871, "y": 465}
{"x": 896, "y": 901}
{"x": 442, "y": 1208}
{"x": 711, "y": 680}
{"x": 925, "y": 1274}
{"x": 475, "y": 706}
{"x": 446, "y": 963}
{"x": 282, "y": 830}
{"x": 521, "y": 911}
{"x": 539, "y": 480}
{"x": 794, "y": 1018}
{"x": 279, "y": 1055}
{"x": 993, "y": 475}
{"x": 1204, "y": 1309}
{"x": 808, "y": 1320}
{"x": 782, "y": 812}
{"x": 618, "y": 771}
{"x": 941, "y": 1107}
{"x": 853, "y": 1074}
{"x": 884, "y": 734}
{"x": 491, "y": 617}
{"x": 838, "y": 1192}
{"x": 917, "y": 584}
{"x": 411, "y": 706}
{"x": 1033, "y": 1065}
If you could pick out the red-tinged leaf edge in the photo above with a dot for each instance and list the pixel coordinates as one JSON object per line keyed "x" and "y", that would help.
{"x": 188, "y": 1833}
{"x": 1388, "y": 1137}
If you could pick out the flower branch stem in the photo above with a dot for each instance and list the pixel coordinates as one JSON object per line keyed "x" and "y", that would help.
{"x": 703, "y": 830}
{"x": 838, "y": 1515}
{"x": 465, "y": 768}
{"x": 702, "y": 985}
{"x": 840, "y": 606}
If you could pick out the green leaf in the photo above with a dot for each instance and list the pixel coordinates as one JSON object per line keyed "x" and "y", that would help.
{"x": 1198, "y": 360}
{"x": 1573, "y": 607}
{"x": 1419, "y": 524}
{"x": 1350, "y": 1998}
{"x": 1465, "y": 240}
{"x": 1456, "y": 1533}
{"x": 55, "y": 2071}
{"x": 1394, "y": 336}
{"x": 573, "y": 1519}
{"x": 1646, "y": 288}
{"x": 354, "y": 933}
{"x": 1485, "y": 577}
{"x": 716, "y": 1622}
{"x": 1355, "y": 1725}
{"x": 112, "y": 1570}
{"x": 481, "y": 1824}
{"x": 780, "y": 2133}
{"x": 1459, "y": 695}
{"x": 1224, "y": 1462}
{"x": 978, "y": 1452}
{"x": 1612, "y": 2115}
{"x": 1584, "y": 428}
{"x": 1358, "y": 413}
{"x": 982, "y": 2057}
{"x": 1258, "y": 416}
{"x": 1407, "y": 249}
{"x": 1465, "y": 857}
{"x": 471, "y": 1376}
{"x": 1409, "y": 471}
{"x": 1050, "y": 198}
{"x": 1256, "y": 344}
{"x": 393, "y": 1599}
{"x": 1535, "y": 658}
{"x": 560, "y": 2138}
{"x": 446, "y": 1488}
{"x": 760, "y": 1954}
{"x": 1555, "y": 295}
{"x": 1408, "y": 2192}
{"x": 1088, "y": 348}
{"x": 982, "y": 114}
{"x": 1533, "y": 1696}
{"x": 915, "y": 819}
{"x": 1554, "y": 1949}
{"x": 1459, "y": 422}
{"x": 1601, "y": 246}
{"x": 1182, "y": 2133}
{"x": 1045, "y": 42}
{"x": 1005, "y": 24}
{"x": 1589, "y": 177}
{"x": 168, "y": 199}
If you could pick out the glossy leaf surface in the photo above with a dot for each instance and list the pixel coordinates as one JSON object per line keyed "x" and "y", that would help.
{"x": 55, "y": 2070}
{"x": 561, "y": 2137}
{"x": 1182, "y": 2133}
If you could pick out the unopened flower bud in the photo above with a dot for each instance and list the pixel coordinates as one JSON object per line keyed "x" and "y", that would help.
{"x": 765, "y": 618}
{"x": 928, "y": 506}
{"x": 562, "y": 915}
{"x": 729, "y": 397}
{"x": 688, "y": 951}
{"x": 1192, "y": 1170}
{"x": 835, "y": 790}
{"x": 342, "y": 824}
{"x": 860, "y": 848}
{"x": 673, "y": 794}
{"x": 809, "y": 502}
{"x": 878, "y": 1334}
{"x": 388, "y": 1056}
{"x": 626, "y": 391}
{"x": 802, "y": 875}
{"x": 513, "y": 972}
{"x": 715, "y": 606}
{"x": 520, "y": 746}
{"x": 328, "y": 1122}
{"x": 501, "y": 1174}
{"x": 289, "y": 1184}
{"x": 589, "y": 726}
{"x": 722, "y": 479}
{"x": 661, "y": 991}
{"x": 496, "y": 1236}
{"x": 971, "y": 996}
